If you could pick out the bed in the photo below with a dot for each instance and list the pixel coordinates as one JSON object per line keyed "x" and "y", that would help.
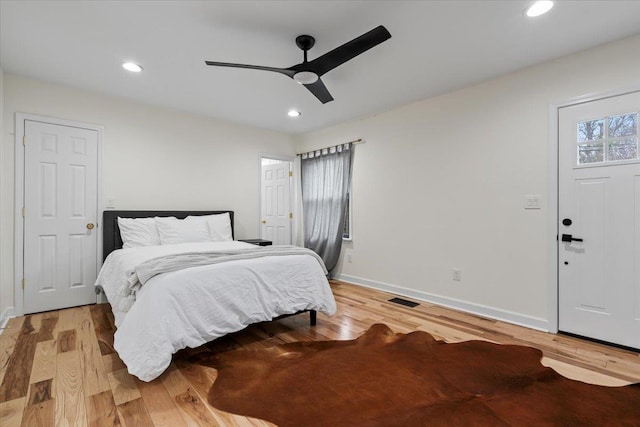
{"x": 188, "y": 291}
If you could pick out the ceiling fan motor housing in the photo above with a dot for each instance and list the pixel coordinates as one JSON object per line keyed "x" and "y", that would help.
{"x": 305, "y": 42}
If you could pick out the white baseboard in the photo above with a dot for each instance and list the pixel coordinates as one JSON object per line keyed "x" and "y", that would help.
{"x": 468, "y": 307}
{"x": 7, "y": 314}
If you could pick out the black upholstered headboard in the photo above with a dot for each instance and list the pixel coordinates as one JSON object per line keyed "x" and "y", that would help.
{"x": 111, "y": 239}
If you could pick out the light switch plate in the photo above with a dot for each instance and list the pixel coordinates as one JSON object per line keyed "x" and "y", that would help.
{"x": 532, "y": 201}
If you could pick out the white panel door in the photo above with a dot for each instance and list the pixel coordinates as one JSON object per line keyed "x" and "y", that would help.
{"x": 599, "y": 220}
{"x": 60, "y": 201}
{"x": 276, "y": 203}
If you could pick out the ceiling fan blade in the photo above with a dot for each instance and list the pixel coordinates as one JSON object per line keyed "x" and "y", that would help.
{"x": 349, "y": 50}
{"x": 320, "y": 91}
{"x": 285, "y": 71}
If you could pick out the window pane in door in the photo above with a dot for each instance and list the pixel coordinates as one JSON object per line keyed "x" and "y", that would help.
{"x": 591, "y": 130}
{"x": 623, "y": 149}
{"x": 590, "y": 153}
{"x": 623, "y": 125}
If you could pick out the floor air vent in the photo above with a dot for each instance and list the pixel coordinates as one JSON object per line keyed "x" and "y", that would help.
{"x": 404, "y": 302}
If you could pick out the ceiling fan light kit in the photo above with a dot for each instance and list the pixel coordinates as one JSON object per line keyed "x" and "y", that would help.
{"x": 308, "y": 73}
{"x": 305, "y": 77}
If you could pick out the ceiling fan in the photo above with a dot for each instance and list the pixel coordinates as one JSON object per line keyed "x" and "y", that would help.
{"x": 308, "y": 73}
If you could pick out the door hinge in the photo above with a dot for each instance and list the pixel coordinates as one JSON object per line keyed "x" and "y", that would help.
{"x": 24, "y": 212}
{"x": 290, "y": 215}
{"x": 24, "y": 139}
{"x": 23, "y": 283}
{"x": 290, "y": 173}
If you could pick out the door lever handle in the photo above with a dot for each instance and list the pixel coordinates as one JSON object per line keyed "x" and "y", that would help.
{"x": 570, "y": 238}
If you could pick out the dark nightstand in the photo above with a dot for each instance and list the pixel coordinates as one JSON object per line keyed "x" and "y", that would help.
{"x": 258, "y": 242}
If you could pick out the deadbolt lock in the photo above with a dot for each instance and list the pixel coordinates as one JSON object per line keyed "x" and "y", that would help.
{"x": 90, "y": 226}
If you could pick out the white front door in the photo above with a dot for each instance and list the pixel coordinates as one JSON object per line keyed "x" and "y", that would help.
{"x": 599, "y": 203}
{"x": 276, "y": 203}
{"x": 60, "y": 215}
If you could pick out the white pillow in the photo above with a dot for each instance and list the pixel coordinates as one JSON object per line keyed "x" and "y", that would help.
{"x": 174, "y": 231}
{"x": 219, "y": 226}
{"x": 138, "y": 232}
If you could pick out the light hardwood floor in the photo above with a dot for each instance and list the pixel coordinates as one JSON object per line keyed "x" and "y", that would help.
{"x": 59, "y": 368}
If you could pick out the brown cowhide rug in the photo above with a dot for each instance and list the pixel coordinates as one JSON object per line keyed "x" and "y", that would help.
{"x": 387, "y": 379}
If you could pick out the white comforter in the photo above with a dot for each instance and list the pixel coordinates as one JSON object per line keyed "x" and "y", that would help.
{"x": 189, "y": 307}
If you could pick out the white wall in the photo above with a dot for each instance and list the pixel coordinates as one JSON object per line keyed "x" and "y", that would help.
{"x": 5, "y": 296}
{"x": 441, "y": 183}
{"x": 438, "y": 184}
{"x": 153, "y": 158}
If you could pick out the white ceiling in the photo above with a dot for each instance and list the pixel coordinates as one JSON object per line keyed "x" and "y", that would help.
{"x": 436, "y": 47}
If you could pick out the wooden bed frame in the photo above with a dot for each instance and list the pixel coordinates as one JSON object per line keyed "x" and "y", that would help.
{"x": 111, "y": 239}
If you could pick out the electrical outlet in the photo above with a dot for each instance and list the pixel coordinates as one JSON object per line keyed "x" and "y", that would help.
{"x": 111, "y": 203}
{"x": 349, "y": 259}
{"x": 456, "y": 274}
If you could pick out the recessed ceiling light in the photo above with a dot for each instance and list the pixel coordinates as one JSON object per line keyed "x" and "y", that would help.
{"x": 133, "y": 67}
{"x": 539, "y": 8}
{"x": 294, "y": 113}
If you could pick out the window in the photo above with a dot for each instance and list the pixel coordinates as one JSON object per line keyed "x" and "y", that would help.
{"x": 346, "y": 230}
{"x": 608, "y": 139}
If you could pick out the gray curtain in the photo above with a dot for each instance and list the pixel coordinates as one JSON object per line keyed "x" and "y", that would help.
{"x": 326, "y": 177}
